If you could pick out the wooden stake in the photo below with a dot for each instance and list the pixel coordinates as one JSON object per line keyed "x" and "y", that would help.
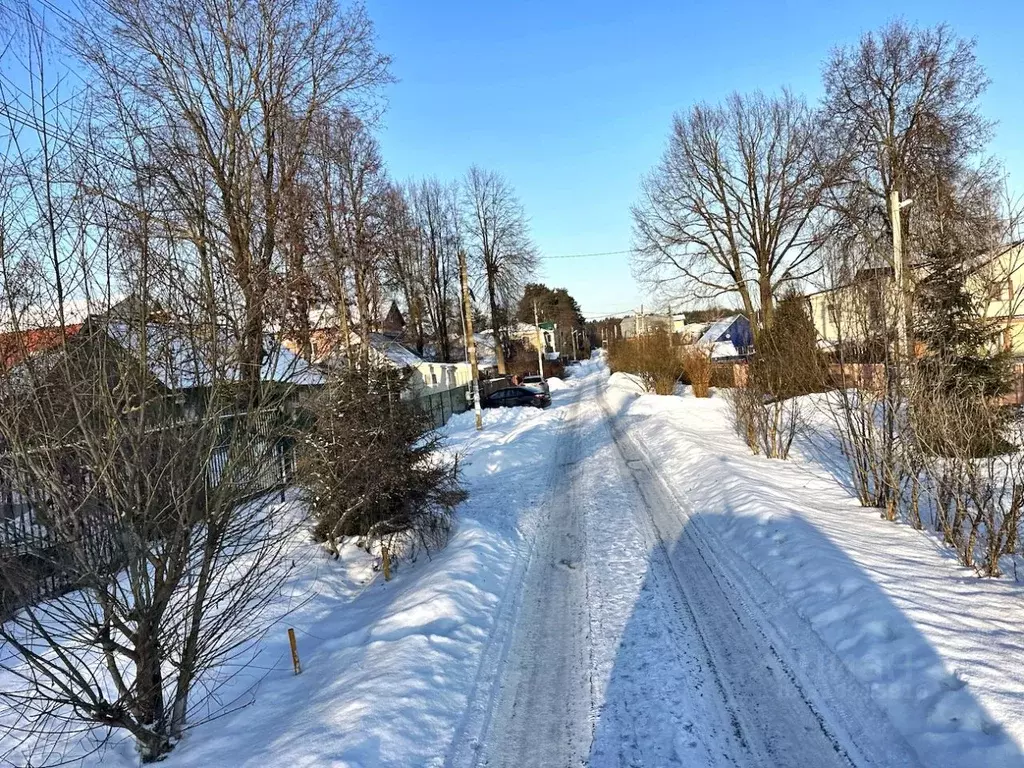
{"x": 386, "y": 561}
{"x": 295, "y": 651}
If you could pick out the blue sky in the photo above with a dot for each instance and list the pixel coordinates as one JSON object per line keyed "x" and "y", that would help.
{"x": 573, "y": 101}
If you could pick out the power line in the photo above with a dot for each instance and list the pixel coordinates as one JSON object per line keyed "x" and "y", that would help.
{"x": 587, "y": 255}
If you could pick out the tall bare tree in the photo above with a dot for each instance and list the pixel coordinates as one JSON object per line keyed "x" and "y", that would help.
{"x": 354, "y": 189}
{"x": 734, "y": 207}
{"x": 405, "y": 267}
{"x": 901, "y": 113}
{"x": 435, "y": 206}
{"x": 225, "y": 95}
{"x": 497, "y": 233}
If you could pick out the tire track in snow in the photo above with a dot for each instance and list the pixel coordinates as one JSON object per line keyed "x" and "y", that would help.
{"x": 498, "y": 672}
{"x": 858, "y": 733}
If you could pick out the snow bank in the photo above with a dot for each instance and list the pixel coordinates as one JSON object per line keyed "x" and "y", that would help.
{"x": 556, "y": 384}
{"x": 937, "y": 648}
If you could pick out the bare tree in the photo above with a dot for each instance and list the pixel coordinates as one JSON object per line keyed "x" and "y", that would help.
{"x": 353, "y": 188}
{"x": 141, "y": 567}
{"x": 225, "y": 97}
{"x": 901, "y": 113}
{"x": 401, "y": 242}
{"x": 734, "y": 207}
{"x": 436, "y": 209}
{"x": 497, "y": 233}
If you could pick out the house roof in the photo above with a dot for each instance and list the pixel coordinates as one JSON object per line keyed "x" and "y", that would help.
{"x": 179, "y": 359}
{"x": 393, "y": 351}
{"x": 18, "y": 346}
{"x": 717, "y": 329}
{"x": 696, "y": 330}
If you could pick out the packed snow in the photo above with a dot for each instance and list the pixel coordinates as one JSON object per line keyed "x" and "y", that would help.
{"x": 929, "y": 641}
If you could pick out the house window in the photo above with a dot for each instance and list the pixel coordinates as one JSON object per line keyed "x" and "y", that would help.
{"x": 433, "y": 376}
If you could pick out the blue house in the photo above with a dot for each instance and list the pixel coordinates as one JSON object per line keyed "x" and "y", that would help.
{"x": 730, "y": 338}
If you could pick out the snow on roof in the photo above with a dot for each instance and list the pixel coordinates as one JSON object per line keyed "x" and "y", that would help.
{"x": 485, "y": 352}
{"x": 694, "y": 330}
{"x": 392, "y": 350}
{"x": 179, "y": 360}
{"x": 716, "y": 329}
{"x": 721, "y": 350}
{"x": 41, "y": 316}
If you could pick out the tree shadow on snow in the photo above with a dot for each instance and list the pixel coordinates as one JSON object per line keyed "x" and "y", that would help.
{"x": 885, "y": 687}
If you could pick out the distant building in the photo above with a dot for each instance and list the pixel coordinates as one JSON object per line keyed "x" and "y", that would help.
{"x": 527, "y": 334}
{"x": 640, "y": 324}
{"x": 729, "y": 338}
{"x": 394, "y": 322}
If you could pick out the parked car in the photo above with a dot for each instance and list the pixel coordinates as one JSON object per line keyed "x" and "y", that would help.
{"x": 515, "y": 396}
{"x": 537, "y": 383}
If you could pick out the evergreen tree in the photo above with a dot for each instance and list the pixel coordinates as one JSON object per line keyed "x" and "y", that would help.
{"x": 961, "y": 345}
{"x": 788, "y": 362}
{"x": 370, "y": 464}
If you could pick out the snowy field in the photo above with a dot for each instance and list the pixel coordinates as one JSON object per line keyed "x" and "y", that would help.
{"x": 626, "y": 585}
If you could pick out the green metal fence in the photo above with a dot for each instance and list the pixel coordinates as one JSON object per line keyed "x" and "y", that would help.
{"x": 441, "y": 406}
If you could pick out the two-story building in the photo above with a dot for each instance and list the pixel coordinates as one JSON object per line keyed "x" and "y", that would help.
{"x": 862, "y": 310}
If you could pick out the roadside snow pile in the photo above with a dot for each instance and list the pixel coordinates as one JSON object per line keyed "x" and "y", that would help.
{"x": 932, "y": 644}
{"x": 595, "y": 365}
{"x": 556, "y": 384}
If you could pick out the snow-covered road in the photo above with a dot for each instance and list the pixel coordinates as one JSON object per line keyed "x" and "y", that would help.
{"x": 627, "y": 645}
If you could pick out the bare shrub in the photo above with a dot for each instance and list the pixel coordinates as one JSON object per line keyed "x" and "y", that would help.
{"x": 651, "y": 358}
{"x": 767, "y": 410}
{"x": 698, "y": 368}
{"x": 768, "y": 424}
{"x": 724, "y": 376}
{"x": 166, "y": 563}
{"x": 370, "y": 464}
{"x": 745, "y": 407}
{"x": 975, "y": 473}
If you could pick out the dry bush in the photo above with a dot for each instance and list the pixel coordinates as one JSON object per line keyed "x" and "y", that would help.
{"x": 698, "y": 368}
{"x": 651, "y": 358}
{"x": 723, "y": 376}
{"x": 867, "y": 422}
{"x": 767, "y": 424}
{"x": 767, "y": 410}
{"x": 975, "y": 473}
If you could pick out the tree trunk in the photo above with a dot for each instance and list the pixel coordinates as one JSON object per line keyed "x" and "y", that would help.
{"x": 499, "y": 352}
{"x": 149, "y": 696}
{"x": 767, "y": 302}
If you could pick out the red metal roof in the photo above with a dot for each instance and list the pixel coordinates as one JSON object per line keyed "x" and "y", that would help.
{"x": 18, "y": 346}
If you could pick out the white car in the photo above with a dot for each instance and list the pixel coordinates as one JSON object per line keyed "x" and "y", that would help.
{"x": 536, "y": 383}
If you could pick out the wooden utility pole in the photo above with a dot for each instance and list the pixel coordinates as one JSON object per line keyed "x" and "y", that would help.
{"x": 900, "y": 276}
{"x": 467, "y": 308}
{"x": 540, "y": 342}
